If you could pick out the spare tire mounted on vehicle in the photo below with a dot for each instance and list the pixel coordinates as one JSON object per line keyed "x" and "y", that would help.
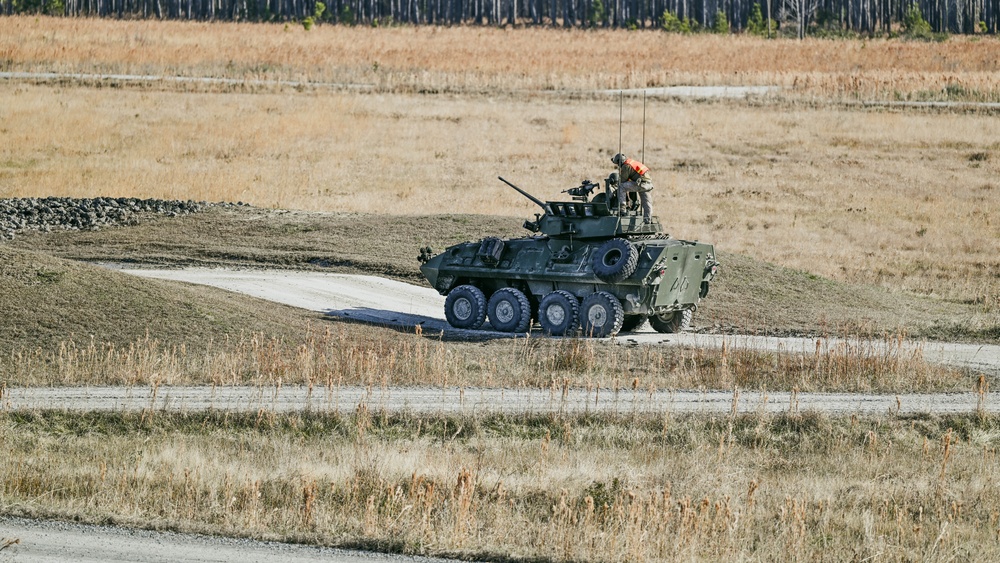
{"x": 615, "y": 260}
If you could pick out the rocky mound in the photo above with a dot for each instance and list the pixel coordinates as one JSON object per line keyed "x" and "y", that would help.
{"x": 64, "y": 213}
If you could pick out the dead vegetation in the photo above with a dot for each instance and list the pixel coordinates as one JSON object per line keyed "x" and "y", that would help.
{"x": 352, "y": 355}
{"x": 903, "y": 200}
{"x": 558, "y": 488}
{"x": 487, "y": 60}
{"x": 843, "y": 195}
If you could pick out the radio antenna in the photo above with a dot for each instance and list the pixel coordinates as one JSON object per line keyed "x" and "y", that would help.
{"x": 643, "y": 157}
{"x": 621, "y": 117}
{"x": 621, "y": 114}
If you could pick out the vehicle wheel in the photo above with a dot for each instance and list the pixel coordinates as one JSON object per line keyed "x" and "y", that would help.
{"x": 633, "y": 322}
{"x": 465, "y": 307}
{"x": 676, "y": 321}
{"x": 509, "y": 310}
{"x": 615, "y": 260}
{"x": 559, "y": 313}
{"x": 601, "y": 315}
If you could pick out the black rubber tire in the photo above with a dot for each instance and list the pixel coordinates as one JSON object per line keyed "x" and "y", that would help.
{"x": 633, "y": 322}
{"x": 559, "y": 313}
{"x": 601, "y": 315}
{"x": 509, "y": 310}
{"x": 465, "y": 307}
{"x": 678, "y": 321}
{"x": 615, "y": 260}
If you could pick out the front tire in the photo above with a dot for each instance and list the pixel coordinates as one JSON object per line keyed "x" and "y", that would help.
{"x": 465, "y": 307}
{"x": 509, "y": 310}
{"x": 601, "y": 315}
{"x": 677, "y": 321}
{"x": 559, "y": 313}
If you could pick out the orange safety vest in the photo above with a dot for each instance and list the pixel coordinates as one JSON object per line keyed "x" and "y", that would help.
{"x": 639, "y": 167}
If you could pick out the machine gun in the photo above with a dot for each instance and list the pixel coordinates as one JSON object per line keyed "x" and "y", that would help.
{"x": 583, "y": 191}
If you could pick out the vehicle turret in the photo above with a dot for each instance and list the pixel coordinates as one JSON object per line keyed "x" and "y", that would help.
{"x": 587, "y": 218}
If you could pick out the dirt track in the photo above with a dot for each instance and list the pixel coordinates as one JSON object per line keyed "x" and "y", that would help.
{"x": 481, "y": 401}
{"x": 38, "y": 541}
{"x": 387, "y": 302}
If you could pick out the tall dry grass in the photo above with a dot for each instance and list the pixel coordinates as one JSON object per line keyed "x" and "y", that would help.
{"x": 902, "y": 199}
{"x": 561, "y": 489}
{"x": 380, "y": 359}
{"x": 474, "y": 59}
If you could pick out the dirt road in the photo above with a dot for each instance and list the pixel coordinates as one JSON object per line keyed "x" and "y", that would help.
{"x": 388, "y": 302}
{"x": 454, "y": 400}
{"x": 38, "y": 541}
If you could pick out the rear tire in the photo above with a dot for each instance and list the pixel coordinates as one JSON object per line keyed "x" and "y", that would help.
{"x": 559, "y": 313}
{"x": 509, "y": 310}
{"x": 677, "y": 321}
{"x": 633, "y": 322}
{"x": 601, "y": 315}
{"x": 465, "y": 307}
{"x": 615, "y": 260}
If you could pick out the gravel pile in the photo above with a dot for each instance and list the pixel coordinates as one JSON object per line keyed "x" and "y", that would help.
{"x": 64, "y": 213}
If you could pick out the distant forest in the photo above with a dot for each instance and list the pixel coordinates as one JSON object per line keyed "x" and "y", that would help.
{"x": 923, "y": 19}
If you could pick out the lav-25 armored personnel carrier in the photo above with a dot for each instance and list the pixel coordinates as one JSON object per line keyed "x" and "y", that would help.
{"x": 589, "y": 267}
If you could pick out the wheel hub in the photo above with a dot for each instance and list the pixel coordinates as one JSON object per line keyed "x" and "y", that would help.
{"x": 597, "y": 316}
{"x": 555, "y": 314}
{"x": 462, "y": 308}
{"x": 504, "y": 312}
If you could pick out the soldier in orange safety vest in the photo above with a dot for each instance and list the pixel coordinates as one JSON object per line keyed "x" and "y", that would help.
{"x": 634, "y": 177}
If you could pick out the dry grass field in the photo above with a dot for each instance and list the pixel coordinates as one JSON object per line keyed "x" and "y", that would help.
{"x": 355, "y": 355}
{"x": 902, "y": 198}
{"x": 907, "y": 199}
{"x": 482, "y": 60}
{"x": 846, "y": 195}
{"x": 527, "y": 488}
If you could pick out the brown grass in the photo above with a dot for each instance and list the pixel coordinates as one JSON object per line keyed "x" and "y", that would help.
{"x": 362, "y": 356}
{"x": 905, "y": 200}
{"x": 561, "y": 489}
{"x": 485, "y": 59}
{"x": 902, "y": 199}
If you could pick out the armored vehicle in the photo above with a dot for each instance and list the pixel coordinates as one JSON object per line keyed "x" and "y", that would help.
{"x": 590, "y": 266}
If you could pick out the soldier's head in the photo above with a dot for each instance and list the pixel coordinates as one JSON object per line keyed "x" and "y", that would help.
{"x": 618, "y": 159}
{"x": 612, "y": 179}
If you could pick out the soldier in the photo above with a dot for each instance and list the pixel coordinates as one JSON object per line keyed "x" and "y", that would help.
{"x": 634, "y": 177}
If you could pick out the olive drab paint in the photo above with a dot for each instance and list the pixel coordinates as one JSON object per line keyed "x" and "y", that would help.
{"x": 587, "y": 268}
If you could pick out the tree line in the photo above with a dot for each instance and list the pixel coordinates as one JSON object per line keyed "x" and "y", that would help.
{"x": 917, "y": 18}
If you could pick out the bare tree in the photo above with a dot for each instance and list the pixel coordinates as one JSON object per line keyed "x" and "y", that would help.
{"x": 800, "y": 12}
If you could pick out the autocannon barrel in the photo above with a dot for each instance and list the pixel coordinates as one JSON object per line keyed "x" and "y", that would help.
{"x": 525, "y": 194}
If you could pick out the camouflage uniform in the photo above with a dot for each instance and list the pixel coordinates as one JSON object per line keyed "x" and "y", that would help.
{"x": 631, "y": 181}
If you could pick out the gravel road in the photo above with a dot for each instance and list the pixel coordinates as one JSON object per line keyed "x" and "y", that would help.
{"x": 388, "y": 302}
{"x": 39, "y": 541}
{"x": 454, "y": 400}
